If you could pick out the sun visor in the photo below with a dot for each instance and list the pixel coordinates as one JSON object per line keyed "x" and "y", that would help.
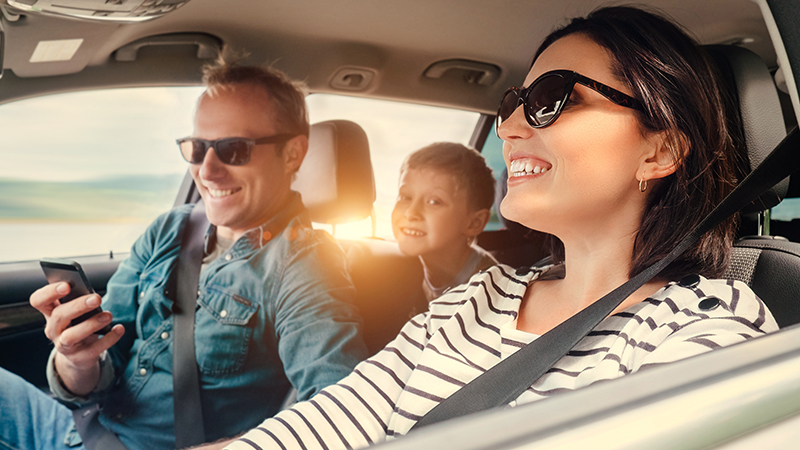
{"x": 46, "y": 46}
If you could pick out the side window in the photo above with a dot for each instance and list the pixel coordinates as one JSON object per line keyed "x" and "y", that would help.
{"x": 85, "y": 173}
{"x": 493, "y": 152}
{"x": 787, "y": 210}
{"x": 394, "y": 130}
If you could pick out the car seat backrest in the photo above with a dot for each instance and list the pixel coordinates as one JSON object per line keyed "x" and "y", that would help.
{"x": 388, "y": 288}
{"x": 770, "y": 265}
{"x": 336, "y": 179}
{"x": 754, "y": 93}
{"x": 337, "y": 184}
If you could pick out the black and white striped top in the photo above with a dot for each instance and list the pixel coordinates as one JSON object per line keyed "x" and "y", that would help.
{"x": 472, "y": 327}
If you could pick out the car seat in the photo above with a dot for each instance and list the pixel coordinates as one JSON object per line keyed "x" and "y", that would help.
{"x": 770, "y": 265}
{"x": 336, "y": 179}
{"x": 337, "y": 185}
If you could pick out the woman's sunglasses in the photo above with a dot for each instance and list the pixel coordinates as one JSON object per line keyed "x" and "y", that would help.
{"x": 234, "y": 151}
{"x": 545, "y": 98}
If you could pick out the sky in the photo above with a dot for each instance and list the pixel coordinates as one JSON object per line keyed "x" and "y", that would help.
{"x": 93, "y": 134}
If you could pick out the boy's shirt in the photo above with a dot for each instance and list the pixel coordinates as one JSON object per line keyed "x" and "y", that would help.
{"x": 478, "y": 260}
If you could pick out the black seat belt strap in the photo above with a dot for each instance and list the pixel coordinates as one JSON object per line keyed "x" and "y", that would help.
{"x": 185, "y": 379}
{"x": 508, "y": 379}
{"x": 189, "y": 429}
{"x": 93, "y": 434}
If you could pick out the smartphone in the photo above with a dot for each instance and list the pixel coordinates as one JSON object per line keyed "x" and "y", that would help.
{"x": 57, "y": 270}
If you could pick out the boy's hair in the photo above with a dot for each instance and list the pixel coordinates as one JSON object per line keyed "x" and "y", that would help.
{"x": 287, "y": 97}
{"x": 465, "y": 164}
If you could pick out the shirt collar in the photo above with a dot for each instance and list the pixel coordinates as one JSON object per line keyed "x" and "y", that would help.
{"x": 258, "y": 237}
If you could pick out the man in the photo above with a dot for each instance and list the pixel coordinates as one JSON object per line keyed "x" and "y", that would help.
{"x": 273, "y": 296}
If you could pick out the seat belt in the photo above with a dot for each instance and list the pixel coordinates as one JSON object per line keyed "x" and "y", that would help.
{"x": 507, "y": 380}
{"x": 186, "y": 388}
{"x": 188, "y": 411}
{"x": 94, "y": 435}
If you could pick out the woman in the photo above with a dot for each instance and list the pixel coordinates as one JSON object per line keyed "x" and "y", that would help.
{"x": 620, "y": 131}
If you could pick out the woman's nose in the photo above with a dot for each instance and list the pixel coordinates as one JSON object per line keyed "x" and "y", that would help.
{"x": 515, "y": 126}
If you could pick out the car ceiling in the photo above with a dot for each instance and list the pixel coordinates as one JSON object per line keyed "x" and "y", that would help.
{"x": 396, "y": 40}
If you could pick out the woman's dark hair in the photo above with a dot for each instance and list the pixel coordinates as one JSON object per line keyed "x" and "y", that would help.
{"x": 681, "y": 92}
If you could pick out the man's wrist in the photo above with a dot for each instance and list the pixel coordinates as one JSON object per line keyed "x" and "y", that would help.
{"x": 59, "y": 387}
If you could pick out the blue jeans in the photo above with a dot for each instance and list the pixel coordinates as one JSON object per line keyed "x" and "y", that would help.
{"x": 29, "y": 419}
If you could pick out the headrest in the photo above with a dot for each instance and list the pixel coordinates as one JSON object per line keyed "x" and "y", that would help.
{"x": 754, "y": 91}
{"x": 335, "y": 179}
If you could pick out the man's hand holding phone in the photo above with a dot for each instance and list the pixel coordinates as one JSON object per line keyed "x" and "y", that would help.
{"x": 78, "y": 345}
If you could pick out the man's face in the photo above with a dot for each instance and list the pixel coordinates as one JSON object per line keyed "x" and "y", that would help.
{"x": 239, "y": 198}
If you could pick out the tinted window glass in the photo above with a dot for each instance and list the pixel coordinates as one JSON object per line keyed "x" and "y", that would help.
{"x": 493, "y": 152}
{"x": 84, "y": 173}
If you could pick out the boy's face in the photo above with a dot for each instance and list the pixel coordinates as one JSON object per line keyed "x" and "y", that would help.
{"x": 431, "y": 214}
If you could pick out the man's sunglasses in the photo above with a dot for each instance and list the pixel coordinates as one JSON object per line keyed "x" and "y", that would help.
{"x": 545, "y": 98}
{"x": 234, "y": 151}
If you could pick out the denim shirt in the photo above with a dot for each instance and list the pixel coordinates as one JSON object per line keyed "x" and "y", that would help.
{"x": 271, "y": 310}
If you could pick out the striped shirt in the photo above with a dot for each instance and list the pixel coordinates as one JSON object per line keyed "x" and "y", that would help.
{"x": 473, "y": 327}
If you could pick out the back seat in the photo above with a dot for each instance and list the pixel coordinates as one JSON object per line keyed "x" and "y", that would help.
{"x": 337, "y": 184}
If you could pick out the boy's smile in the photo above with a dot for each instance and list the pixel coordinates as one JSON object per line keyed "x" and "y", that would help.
{"x": 431, "y": 215}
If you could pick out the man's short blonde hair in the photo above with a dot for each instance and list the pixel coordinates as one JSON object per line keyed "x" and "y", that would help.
{"x": 287, "y": 97}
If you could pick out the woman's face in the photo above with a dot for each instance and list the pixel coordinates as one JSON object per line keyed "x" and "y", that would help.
{"x": 592, "y": 153}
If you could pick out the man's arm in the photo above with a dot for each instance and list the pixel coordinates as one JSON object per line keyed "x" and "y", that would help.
{"x": 77, "y": 350}
{"x": 318, "y": 327}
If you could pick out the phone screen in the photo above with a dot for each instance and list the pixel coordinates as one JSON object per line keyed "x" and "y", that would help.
{"x": 57, "y": 270}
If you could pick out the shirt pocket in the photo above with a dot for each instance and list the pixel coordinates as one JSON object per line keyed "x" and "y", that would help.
{"x": 222, "y": 331}
{"x": 154, "y": 306}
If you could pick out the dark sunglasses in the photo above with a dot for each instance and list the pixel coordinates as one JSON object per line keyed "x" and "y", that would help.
{"x": 545, "y": 98}
{"x": 234, "y": 151}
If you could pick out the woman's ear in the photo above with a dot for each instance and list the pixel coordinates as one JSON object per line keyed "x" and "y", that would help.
{"x": 663, "y": 155}
{"x": 477, "y": 222}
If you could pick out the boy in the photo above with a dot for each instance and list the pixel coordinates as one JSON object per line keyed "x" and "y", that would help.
{"x": 446, "y": 191}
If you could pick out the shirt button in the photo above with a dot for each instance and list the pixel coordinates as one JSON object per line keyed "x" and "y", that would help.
{"x": 164, "y": 335}
{"x": 142, "y": 371}
{"x": 223, "y": 313}
{"x": 690, "y": 281}
{"x": 198, "y": 292}
{"x": 228, "y": 257}
{"x": 708, "y": 303}
{"x": 119, "y": 416}
{"x": 141, "y": 295}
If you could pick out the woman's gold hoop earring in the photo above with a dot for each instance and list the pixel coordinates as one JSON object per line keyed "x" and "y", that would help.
{"x": 642, "y": 185}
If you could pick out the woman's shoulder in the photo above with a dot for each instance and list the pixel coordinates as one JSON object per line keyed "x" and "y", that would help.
{"x": 695, "y": 297}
